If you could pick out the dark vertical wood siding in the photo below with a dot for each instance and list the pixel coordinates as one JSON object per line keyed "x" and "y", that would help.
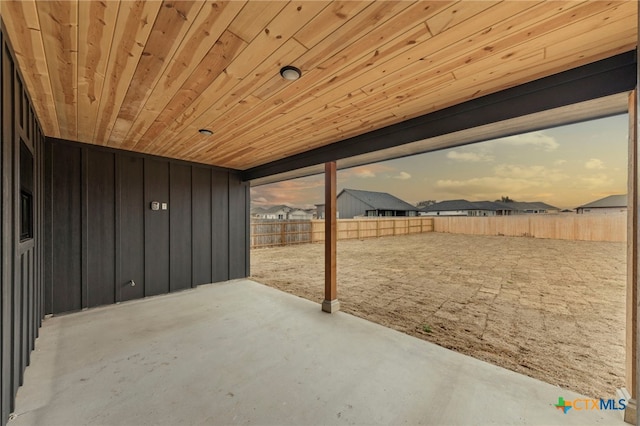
{"x": 156, "y": 225}
{"x": 9, "y": 385}
{"x": 48, "y": 229}
{"x": 201, "y": 223}
{"x": 21, "y": 269}
{"x": 131, "y": 233}
{"x": 180, "y": 220}
{"x": 237, "y": 227}
{"x": 101, "y": 250}
{"x": 66, "y": 227}
{"x": 220, "y": 226}
{"x": 109, "y": 236}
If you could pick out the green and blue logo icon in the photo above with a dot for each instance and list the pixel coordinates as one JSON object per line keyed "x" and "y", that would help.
{"x": 584, "y": 404}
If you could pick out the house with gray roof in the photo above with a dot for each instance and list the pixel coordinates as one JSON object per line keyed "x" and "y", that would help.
{"x": 354, "y": 202}
{"x": 467, "y": 208}
{"x": 613, "y": 204}
{"x": 281, "y": 212}
{"x": 487, "y": 208}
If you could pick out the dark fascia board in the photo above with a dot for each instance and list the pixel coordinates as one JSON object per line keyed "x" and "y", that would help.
{"x": 610, "y": 76}
{"x": 138, "y": 154}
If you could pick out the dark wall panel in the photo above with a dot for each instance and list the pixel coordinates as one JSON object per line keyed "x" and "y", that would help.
{"x": 131, "y": 233}
{"x": 156, "y": 225}
{"x": 220, "y": 226}
{"x": 237, "y": 227}
{"x": 48, "y": 230}
{"x": 101, "y": 251}
{"x": 201, "y": 223}
{"x": 66, "y": 228}
{"x": 180, "y": 226}
{"x": 110, "y": 245}
{"x": 7, "y": 388}
{"x": 21, "y": 231}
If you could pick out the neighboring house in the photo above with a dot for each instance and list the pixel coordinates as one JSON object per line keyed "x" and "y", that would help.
{"x": 258, "y": 212}
{"x": 299, "y": 214}
{"x": 281, "y": 212}
{"x": 354, "y": 202}
{"x": 466, "y": 208}
{"x": 535, "y": 207}
{"x": 487, "y": 208}
{"x": 607, "y": 205}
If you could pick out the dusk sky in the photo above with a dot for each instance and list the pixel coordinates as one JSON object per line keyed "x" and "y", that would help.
{"x": 564, "y": 166}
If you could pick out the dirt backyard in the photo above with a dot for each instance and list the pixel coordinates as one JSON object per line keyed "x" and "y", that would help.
{"x": 550, "y": 309}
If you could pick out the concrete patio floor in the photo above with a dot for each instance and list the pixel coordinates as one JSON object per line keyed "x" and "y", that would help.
{"x": 243, "y": 353}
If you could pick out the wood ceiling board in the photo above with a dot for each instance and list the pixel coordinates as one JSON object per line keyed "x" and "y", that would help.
{"x": 291, "y": 48}
{"x": 445, "y": 55}
{"x": 351, "y": 75}
{"x": 133, "y": 27}
{"x": 204, "y": 36}
{"x": 325, "y": 24}
{"x": 329, "y": 46}
{"x": 59, "y": 28}
{"x": 27, "y": 44}
{"x": 138, "y": 81}
{"x": 96, "y": 24}
{"x": 169, "y": 29}
{"x": 277, "y": 33}
{"x": 211, "y": 69}
{"x": 255, "y": 16}
{"x": 455, "y": 14}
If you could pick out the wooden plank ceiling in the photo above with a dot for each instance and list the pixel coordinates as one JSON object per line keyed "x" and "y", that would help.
{"x": 146, "y": 75}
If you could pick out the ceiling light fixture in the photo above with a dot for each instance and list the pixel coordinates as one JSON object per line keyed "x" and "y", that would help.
{"x": 205, "y": 132}
{"x": 290, "y": 73}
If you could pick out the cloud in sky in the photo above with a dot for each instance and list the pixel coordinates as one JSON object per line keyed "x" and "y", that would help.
{"x": 594, "y": 164}
{"x": 472, "y": 157}
{"x": 536, "y": 139}
{"x": 596, "y": 181}
{"x": 489, "y": 185}
{"x": 296, "y": 193}
{"x": 516, "y": 180}
{"x": 559, "y": 162}
{"x": 403, "y": 176}
{"x": 363, "y": 172}
{"x": 534, "y": 172}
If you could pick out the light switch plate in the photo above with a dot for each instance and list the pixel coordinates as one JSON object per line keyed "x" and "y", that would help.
{"x": 164, "y": 206}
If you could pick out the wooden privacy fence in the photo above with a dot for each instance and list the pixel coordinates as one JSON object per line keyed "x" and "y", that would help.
{"x": 269, "y": 233}
{"x": 562, "y": 227}
{"x": 351, "y": 229}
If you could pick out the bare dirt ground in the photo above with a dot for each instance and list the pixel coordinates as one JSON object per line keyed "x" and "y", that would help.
{"x": 550, "y": 309}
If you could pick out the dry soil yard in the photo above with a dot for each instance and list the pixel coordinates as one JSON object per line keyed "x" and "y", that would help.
{"x": 551, "y": 309}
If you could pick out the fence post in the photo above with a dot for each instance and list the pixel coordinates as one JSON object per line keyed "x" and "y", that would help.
{"x": 358, "y": 223}
{"x": 311, "y": 232}
{"x": 377, "y": 228}
{"x": 394, "y": 227}
{"x": 283, "y": 239}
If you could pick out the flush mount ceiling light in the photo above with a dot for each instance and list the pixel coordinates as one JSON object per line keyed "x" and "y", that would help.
{"x": 290, "y": 73}
{"x": 205, "y": 132}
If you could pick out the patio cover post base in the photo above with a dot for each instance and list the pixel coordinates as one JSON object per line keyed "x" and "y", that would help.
{"x": 331, "y": 306}
{"x": 631, "y": 412}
